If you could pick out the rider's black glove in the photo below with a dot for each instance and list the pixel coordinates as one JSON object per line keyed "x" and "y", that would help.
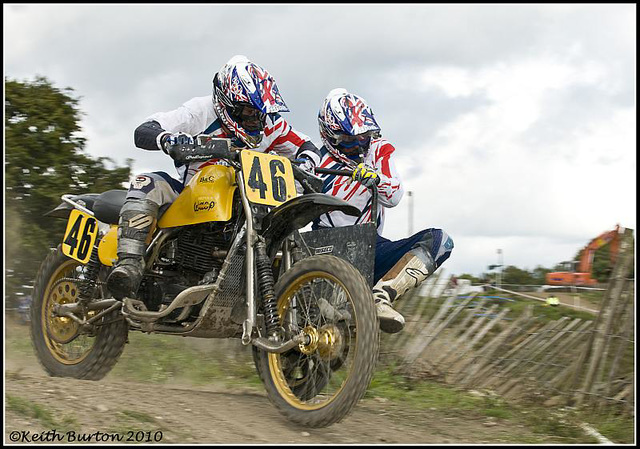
{"x": 183, "y": 148}
{"x": 168, "y": 140}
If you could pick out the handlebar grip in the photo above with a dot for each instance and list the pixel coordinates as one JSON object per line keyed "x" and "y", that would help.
{"x": 333, "y": 171}
{"x": 203, "y": 150}
{"x": 220, "y": 148}
{"x": 373, "y": 189}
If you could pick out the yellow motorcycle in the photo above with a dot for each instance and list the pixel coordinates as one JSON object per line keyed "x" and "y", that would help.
{"x": 225, "y": 261}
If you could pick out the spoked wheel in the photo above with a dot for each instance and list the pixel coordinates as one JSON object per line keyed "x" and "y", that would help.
{"x": 62, "y": 347}
{"x": 319, "y": 382}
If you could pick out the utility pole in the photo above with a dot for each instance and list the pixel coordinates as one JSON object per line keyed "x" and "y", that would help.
{"x": 410, "y": 194}
{"x": 500, "y": 267}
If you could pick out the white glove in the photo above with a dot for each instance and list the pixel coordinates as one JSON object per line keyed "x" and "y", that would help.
{"x": 307, "y": 165}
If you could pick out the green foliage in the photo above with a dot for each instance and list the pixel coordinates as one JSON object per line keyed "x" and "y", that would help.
{"x": 539, "y": 275}
{"x": 44, "y": 415}
{"x": 473, "y": 279}
{"x": 44, "y": 159}
{"x": 515, "y": 275}
{"x": 602, "y": 265}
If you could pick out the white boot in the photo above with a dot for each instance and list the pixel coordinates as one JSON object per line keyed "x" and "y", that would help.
{"x": 407, "y": 273}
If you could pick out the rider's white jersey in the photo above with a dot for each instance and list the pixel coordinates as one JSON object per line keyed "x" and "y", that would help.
{"x": 390, "y": 189}
{"x": 198, "y": 116}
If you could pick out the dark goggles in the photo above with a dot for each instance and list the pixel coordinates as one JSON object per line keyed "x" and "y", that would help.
{"x": 249, "y": 117}
{"x": 349, "y": 144}
{"x": 349, "y": 140}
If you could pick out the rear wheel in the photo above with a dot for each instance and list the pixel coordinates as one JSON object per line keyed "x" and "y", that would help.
{"x": 318, "y": 383}
{"x": 63, "y": 348}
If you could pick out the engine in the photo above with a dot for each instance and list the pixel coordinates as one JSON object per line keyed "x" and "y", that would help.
{"x": 199, "y": 251}
{"x": 193, "y": 257}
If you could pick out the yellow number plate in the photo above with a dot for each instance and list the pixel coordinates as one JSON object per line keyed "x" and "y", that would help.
{"x": 268, "y": 179}
{"x": 80, "y": 236}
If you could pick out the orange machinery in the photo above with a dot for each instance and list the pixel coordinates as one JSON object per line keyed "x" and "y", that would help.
{"x": 579, "y": 272}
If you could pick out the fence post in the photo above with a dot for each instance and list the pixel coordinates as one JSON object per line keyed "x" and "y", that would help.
{"x": 492, "y": 322}
{"x": 625, "y": 337}
{"x": 430, "y": 332}
{"x": 603, "y": 322}
{"x": 465, "y": 336}
{"x": 468, "y": 371}
{"x": 534, "y": 338}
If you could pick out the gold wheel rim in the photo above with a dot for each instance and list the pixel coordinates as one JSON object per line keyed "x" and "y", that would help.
{"x": 60, "y": 333}
{"x": 321, "y": 342}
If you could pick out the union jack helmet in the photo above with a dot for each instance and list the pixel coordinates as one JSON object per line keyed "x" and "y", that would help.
{"x": 243, "y": 94}
{"x": 347, "y": 124}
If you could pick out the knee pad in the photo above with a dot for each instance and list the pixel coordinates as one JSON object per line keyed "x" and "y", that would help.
{"x": 152, "y": 187}
{"x": 434, "y": 247}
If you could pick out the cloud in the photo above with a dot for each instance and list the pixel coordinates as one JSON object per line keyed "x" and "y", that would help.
{"x": 530, "y": 161}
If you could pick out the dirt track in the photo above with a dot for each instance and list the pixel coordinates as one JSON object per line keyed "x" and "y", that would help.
{"x": 197, "y": 415}
{"x": 216, "y": 414}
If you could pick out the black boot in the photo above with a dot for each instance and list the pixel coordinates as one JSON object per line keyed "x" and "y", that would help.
{"x": 137, "y": 218}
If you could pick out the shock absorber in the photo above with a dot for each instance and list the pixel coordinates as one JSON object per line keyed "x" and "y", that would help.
{"x": 266, "y": 286}
{"x": 92, "y": 270}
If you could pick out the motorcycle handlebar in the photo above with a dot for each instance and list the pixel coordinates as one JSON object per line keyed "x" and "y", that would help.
{"x": 333, "y": 171}
{"x": 374, "y": 189}
{"x": 220, "y": 148}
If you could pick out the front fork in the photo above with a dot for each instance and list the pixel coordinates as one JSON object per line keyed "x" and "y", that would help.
{"x": 257, "y": 261}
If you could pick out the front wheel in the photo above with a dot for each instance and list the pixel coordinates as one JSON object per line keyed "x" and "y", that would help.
{"x": 318, "y": 383}
{"x": 62, "y": 347}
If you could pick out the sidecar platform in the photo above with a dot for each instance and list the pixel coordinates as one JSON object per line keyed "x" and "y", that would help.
{"x": 356, "y": 244}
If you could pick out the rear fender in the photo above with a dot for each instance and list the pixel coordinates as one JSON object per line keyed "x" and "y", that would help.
{"x": 64, "y": 209}
{"x": 296, "y": 214}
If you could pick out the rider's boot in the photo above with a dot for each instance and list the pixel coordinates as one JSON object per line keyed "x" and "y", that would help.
{"x": 407, "y": 273}
{"x": 137, "y": 221}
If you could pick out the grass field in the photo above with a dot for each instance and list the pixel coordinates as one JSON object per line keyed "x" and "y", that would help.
{"x": 169, "y": 359}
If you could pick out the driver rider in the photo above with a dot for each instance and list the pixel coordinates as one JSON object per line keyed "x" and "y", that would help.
{"x": 245, "y": 107}
{"x": 352, "y": 141}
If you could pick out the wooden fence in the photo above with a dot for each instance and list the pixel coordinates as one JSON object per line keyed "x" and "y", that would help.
{"x": 477, "y": 342}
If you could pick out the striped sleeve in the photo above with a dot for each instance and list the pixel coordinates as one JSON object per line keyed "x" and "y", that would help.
{"x": 390, "y": 189}
{"x": 287, "y": 140}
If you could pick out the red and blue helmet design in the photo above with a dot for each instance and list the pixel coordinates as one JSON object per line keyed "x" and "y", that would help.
{"x": 347, "y": 124}
{"x": 243, "y": 94}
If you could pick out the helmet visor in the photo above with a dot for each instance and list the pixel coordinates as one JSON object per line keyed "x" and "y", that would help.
{"x": 349, "y": 144}
{"x": 250, "y": 118}
{"x": 348, "y": 139}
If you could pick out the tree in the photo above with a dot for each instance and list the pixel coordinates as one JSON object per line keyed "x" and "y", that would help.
{"x": 472, "y": 278}
{"x": 516, "y": 276}
{"x": 539, "y": 275}
{"x": 44, "y": 159}
{"x": 602, "y": 266}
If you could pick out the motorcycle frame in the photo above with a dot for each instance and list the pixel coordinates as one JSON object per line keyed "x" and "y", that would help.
{"x": 146, "y": 320}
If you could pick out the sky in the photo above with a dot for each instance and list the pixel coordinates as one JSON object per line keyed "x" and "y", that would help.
{"x": 514, "y": 125}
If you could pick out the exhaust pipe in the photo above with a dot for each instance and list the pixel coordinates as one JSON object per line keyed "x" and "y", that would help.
{"x": 189, "y": 297}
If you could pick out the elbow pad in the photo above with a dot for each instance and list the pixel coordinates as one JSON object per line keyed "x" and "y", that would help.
{"x": 309, "y": 151}
{"x": 146, "y": 136}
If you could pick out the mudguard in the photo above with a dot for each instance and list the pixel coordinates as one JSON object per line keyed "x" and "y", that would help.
{"x": 64, "y": 209}
{"x": 106, "y": 205}
{"x": 297, "y": 213}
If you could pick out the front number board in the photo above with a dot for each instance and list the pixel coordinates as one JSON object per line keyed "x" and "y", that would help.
{"x": 80, "y": 236}
{"x": 268, "y": 178}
